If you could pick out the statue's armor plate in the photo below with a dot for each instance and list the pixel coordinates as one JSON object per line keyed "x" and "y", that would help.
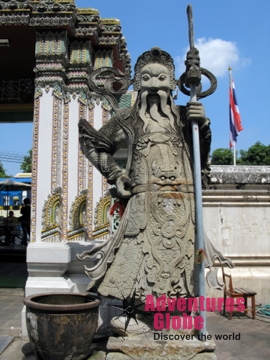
{"x": 159, "y": 236}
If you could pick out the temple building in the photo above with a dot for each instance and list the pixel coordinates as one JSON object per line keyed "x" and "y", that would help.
{"x": 48, "y": 50}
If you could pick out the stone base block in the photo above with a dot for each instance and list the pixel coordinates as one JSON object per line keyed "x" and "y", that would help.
{"x": 120, "y": 356}
{"x": 145, "y": 347}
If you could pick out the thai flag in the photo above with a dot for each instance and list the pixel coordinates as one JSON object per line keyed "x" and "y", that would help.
{"x": 235, "y": 119}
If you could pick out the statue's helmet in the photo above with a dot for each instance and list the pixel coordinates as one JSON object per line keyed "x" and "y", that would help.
{"x": 154, "y": 56}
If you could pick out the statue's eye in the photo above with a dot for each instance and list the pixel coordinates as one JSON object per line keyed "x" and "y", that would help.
{"x": 162, "y": 77}
{"x": 145, "y": 77}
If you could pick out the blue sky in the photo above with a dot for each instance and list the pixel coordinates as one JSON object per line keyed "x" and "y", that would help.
{"x": 227, "y": 33}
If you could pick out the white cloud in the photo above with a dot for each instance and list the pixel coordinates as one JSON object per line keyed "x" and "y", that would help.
{"x": 216, "y": 56}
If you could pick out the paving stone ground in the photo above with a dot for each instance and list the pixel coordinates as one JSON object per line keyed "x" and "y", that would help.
{"x": 254, "y": 342}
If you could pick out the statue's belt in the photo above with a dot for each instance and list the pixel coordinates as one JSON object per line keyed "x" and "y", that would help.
{"x": 185, "y": 188}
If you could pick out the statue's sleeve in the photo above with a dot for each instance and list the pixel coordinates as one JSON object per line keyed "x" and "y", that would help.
{"x": 99, "y": 146}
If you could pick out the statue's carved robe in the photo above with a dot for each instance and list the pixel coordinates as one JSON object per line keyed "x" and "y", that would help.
{"x": 155, "y": 243}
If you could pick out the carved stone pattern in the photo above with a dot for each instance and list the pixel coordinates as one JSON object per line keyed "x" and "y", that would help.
{"x": 38, "y": 91}
{"x": 14, "y": 5}
{"x": 56, "y": 143}
{"x": 14, "y": 18}
{"x": 75, "y": 217}
{"x": 49, "y": 220}
{"x": 48, "y": 82}
{"x": 240, "y": 175}
{"x": 87, "y": 18}
{"x": 105, "y": 118}
{"x": 105, "y": 113}
{"x": 103, "y": 58}
{"x": 57, "y": 90}
{"x": 51, "y": 45}
{"x": 108, "y": 40}
{"x": 38, "y": 6}
{"x": 111, "y": 28}
{"x": 82, "y": 98}
{"x": 77, "y": 88}
{"x": 65, "y": 173}
{"x": 101, "y": 222}
{"x": 91, "y": 104}
{"x": 56, "y": 21}
{"x": 106, "y": 105}
{"x": 95, "y": 99}
{"x": 80, "y": 53}
{"x": 54, "y": 6}
{"x": 50, "y": 70}
{"x": 82, "y": 23}
{"x": 167, "y": 243}
{"x": 89, "y": 202}
{"x": 77, "y": 79}
{"x": 101, "y": 210}
{"x": 34, "y": 166}
{"x": 81, "y": 158}
{"x": 86, "y": 31}
{"x": 51, "y": 66}
{"x": 159, "y": 235}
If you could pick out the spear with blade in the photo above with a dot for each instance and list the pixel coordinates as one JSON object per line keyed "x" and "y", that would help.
{"x": 192, "y": 79}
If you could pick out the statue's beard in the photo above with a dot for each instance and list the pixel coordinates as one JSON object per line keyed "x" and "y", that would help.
{"x": 157, "y": 110}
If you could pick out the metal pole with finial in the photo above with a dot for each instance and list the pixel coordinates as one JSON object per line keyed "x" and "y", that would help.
{"x": 194, "y": 78}
{"x": 190, "y": 84}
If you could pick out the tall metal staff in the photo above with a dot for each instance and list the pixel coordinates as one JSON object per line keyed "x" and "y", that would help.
{"x": 192, "y": 79}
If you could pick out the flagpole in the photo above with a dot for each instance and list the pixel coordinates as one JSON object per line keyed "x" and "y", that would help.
{"x": 231, "y": 142}
{"x": 234, "y": 142}
{"x": 234, "y": 116}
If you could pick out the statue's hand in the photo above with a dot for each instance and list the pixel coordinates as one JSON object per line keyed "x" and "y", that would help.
{"x": 124, "y": 185}
{"x": 195, "y": 111}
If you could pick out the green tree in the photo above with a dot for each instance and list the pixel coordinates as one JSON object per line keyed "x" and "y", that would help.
{"x": 257, "y": 154}
{"x": 26, "y": 165}
{"x": 3, "y": 173}
{"x": 222, "y": 156}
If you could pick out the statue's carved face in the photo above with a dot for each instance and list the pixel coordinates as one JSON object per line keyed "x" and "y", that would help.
{"x": 155, "y": 77}
{"x": 154, "y": 94}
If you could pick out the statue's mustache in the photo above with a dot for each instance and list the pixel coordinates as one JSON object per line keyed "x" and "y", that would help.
{"x": 156, "y": 109}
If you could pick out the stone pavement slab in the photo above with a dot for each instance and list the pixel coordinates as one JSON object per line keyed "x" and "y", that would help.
{"x": 10, "y": 316}
{"x": 254, "y": 342}
{"x": 5, "y": 340}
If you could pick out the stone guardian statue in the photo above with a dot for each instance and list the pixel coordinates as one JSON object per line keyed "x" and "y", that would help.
{"x": 153, "y": 250}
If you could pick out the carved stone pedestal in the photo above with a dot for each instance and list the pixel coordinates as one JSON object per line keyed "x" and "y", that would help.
{"x": 145, "y": 346}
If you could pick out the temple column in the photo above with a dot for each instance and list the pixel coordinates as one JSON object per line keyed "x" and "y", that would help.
{"x": 60, "y": 173}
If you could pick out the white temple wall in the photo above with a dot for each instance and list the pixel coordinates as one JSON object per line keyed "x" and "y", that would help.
{"x": 99, "y": 184}
{"x": 239, "y": 230}
{"x": 44, "y": 153}
{"x": 52, "y": 262}
{"x": 65, "y": 192}
{"x": 98, "y": 190}
{"x": 73, "y": 146}
{"x": 98, "y": 111}
{"x": 237, "y": 223}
